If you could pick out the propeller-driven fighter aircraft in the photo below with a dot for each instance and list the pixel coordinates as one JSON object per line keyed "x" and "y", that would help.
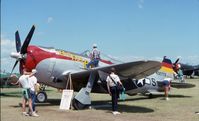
{"x": 189, "y": 70}
{"x": 55, "y": 65}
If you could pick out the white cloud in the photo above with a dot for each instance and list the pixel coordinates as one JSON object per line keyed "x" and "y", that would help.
{"x": 7, "y": 46}
{"x": 140, "y": 4}
{"x": 49, "y": 20}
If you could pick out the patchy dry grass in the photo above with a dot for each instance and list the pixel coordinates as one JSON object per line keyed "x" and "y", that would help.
{"x": 182, "y": 106}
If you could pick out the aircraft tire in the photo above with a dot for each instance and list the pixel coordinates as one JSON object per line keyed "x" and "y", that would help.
{"x": 77, "y": 105}
{"x": 41, "y": 97}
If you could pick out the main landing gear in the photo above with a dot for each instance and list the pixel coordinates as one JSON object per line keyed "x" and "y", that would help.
{"x": 41, "y": 96}
{"x": 82, "y": 99}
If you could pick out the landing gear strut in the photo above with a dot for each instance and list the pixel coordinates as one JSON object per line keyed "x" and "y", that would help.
{"x": 82, "y": 99}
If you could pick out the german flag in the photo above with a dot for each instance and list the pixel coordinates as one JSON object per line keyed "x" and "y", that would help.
{"x": 167, "y": 66}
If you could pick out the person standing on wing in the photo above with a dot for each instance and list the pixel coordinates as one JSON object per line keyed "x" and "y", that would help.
{"x": 94, "y": 56}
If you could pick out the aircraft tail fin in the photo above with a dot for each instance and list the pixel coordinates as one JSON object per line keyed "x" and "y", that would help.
{"x": 166, "y": 70}
{"x": 167, "y": 66}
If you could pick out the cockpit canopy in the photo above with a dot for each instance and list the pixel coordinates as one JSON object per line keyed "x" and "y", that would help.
{"x": 103, "y": 56}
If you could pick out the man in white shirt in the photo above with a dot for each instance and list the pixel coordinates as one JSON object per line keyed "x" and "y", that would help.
{"x": 94, "y": 56}
{"x": 33, "y": 83}
{"x": 24, "y": 82}
{"x": 112, "y": 80}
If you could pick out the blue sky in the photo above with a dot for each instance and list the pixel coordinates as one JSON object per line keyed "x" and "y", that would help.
{"x": 125, "y": 29}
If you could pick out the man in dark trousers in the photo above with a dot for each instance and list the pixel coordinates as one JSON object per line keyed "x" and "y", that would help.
{"x": 112, "y": 81}
{"x": 94, "y": 56}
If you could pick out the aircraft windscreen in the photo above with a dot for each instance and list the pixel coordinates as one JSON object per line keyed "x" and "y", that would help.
{"x": 103, "y": 56}
{"x": 46, "y": 47}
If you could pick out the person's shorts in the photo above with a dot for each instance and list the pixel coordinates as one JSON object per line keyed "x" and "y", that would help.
{"x": 26, "y": 93}
{"x": 166, "y": 83}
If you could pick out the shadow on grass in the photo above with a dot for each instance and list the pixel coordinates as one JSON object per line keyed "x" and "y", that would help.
{"x": 15, "y": 94}
{"x": 170, "y": 96}
{"x": 180, "y": 96}
{"x": 11, "y": 94}
{"x": 124, "y": 108}
{"x": 106, "y": 105}
{"x": 98, "y": 105}
{"x": 49, "y": 102}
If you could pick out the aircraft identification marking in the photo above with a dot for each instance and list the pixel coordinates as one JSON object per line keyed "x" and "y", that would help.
{"x": 74, "y": 57}
{"x": 153, "y": 81}
{"x": 140, "y": 82}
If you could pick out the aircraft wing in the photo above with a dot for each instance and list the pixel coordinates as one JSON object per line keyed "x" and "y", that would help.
{"x": 136, "y": 69}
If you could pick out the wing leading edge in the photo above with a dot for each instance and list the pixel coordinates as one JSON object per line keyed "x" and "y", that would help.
{"x": 136, "y": 70}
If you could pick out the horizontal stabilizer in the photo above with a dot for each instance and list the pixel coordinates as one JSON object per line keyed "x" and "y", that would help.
{"x": 182, "y": 85}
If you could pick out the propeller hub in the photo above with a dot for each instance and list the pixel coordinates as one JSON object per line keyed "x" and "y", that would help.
{"x": 16, "y": 55}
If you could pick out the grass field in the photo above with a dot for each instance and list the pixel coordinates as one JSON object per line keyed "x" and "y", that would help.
{"x": 182, "y": 106}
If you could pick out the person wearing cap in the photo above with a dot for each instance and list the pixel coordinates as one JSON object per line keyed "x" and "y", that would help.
{"x": 94, "y": 56}
{"x": 112, "y": 80}
{"x": 33, "y": 84}
{"x": 24, "y": 83}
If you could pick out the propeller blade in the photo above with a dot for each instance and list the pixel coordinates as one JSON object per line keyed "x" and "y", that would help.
{"x": 21, "y": 67}
{"x": 177, "y": 60}
{"x": 12, "y": 69}
{"x": 18, "y": 41}
{"x": 27, "y": 41}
